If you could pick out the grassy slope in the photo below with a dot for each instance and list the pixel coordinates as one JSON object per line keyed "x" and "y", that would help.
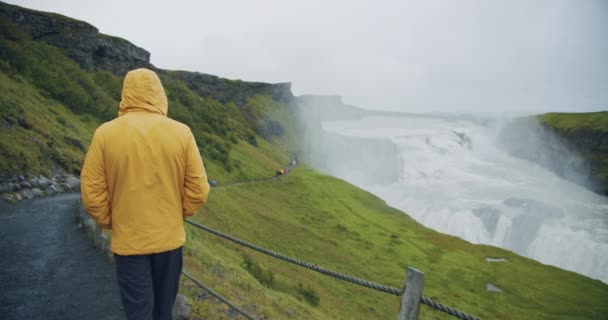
{"x": 37, "y": 138}
{"x": 570, "y": 121}
{"x": 331, "y": 223}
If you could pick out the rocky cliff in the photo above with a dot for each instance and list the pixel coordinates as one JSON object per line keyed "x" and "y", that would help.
{"x": 587, "y": 134}
{"x": 236, "y": 91}
{"x": 80, "y": 40}
{"x": 574, "y": 146}
{"x": 96, "y": 51}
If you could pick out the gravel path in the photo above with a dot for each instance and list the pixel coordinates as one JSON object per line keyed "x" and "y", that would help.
{"x": 48, "y": 269}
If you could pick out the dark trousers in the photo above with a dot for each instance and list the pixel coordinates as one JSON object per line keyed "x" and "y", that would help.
{"x": 149, "y": 283}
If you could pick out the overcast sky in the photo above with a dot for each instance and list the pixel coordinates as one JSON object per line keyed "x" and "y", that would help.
{"x": 420, "y": 55}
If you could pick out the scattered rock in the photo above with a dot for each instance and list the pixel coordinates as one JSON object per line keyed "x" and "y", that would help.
{"x": 37, "y": 192}
{"x": 43, "y": 182}
{"x": 492, "y": 288}
{"x": 52, "y": 189}
{"x": 7, "y": 197}
{"x": 181, "y": 309}
{"x": 34, "y": 183}
{"x": 496, "y": 259}
{"x": 21, "y": 178}
{"x": 17, "y": 196}
{"x": 7, "y": 187}
{"x": 73, "y": 183}
{"x": 27, "y": 194}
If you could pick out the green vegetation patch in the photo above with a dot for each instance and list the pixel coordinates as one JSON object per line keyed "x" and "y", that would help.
{"x": 571, "y": 121}
{"x": 331, "y": 223}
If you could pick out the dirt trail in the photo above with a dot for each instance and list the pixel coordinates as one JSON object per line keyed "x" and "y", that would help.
{"x": 48, "y": 268}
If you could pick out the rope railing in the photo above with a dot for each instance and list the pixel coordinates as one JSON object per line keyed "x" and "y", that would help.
{"x": 358, "y": 281}
{"x": 219, "y": 297}
{"x": 335, "y": 274}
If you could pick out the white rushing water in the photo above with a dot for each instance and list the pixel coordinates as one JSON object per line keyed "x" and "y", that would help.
{"x": 452, "y": 177}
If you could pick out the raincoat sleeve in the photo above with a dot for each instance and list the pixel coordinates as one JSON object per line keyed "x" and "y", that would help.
{"x": 94, "y": 187}
{"x": 196, "y": 187}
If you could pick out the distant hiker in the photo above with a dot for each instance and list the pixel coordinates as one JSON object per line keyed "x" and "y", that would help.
{"x": 142, "y": 176}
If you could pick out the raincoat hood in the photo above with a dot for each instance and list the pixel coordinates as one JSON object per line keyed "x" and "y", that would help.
{"x": 142, "y": 89}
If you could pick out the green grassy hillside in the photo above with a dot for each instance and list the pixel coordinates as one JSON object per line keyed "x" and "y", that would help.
{"x": 50, "y": 106}
{"x": 572, "y": 121}
{"x": 331, "y": 223}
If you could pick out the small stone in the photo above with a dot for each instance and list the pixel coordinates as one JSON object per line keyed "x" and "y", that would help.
{"x": 73, "y": 183}
{"x": 181, "y": 308}
{"x": 496, "y": 259}
{"x": 492, "y": 288}
{"x": 34, "y": 183}
{"x": 25, "y": 184}
{"x": 52, "y": 189}
{"x": 43, "y": 182}
{"x": 7, "y": 198}
{"x": 21, "y": 178}
{"x": 37, "y": 192}
{"x": 17, "y": 196}
{"x": 27, "y": 194}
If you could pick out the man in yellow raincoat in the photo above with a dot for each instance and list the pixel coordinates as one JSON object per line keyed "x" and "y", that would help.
{"x": 143, "y": 174}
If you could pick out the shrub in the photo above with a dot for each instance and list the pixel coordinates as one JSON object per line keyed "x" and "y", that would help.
{"x": 61, "y": 120}
{"x": 309, "y": 294}
{"x": 264, "y": 276}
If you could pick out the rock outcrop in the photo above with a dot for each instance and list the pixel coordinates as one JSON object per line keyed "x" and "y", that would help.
{"x": 236, "y": 91}
{"x": 592, "y": 145}
{"x": 80, "y": 40}
{"x": 578, "y": 153}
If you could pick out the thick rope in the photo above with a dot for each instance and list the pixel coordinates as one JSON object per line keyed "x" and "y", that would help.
{"x": 219, "y": 297}
{"x": 368, "y": 284}
{"x": 449, "y": 310}
{"x": 335, "y": 274}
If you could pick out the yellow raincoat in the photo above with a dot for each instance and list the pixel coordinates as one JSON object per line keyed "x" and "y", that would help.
{"x": 143, "y": 173}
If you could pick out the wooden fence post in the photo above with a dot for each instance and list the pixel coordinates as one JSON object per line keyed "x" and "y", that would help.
{"x": 410, "y": 300}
